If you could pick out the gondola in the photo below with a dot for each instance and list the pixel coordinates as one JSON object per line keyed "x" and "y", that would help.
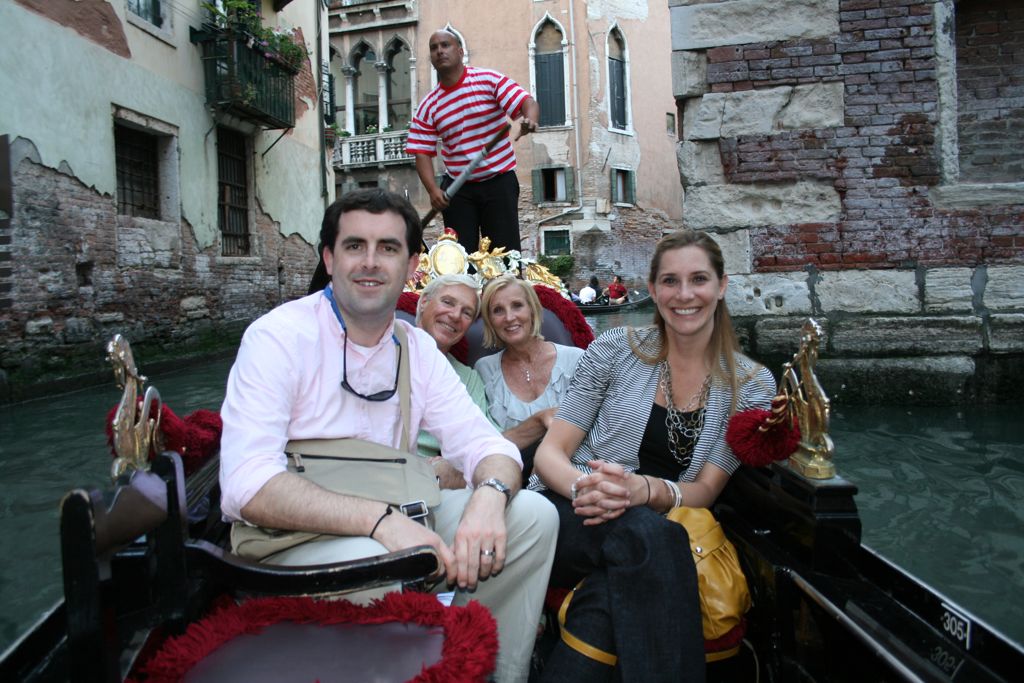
{"x": 638, "y": 300}
{"x": 826, "y": 607}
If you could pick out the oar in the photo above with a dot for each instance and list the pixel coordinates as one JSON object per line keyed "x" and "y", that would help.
{"x": 464, "y": 176}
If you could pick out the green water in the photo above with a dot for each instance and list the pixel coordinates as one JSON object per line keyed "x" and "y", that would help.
{"x": 940, "y": 489}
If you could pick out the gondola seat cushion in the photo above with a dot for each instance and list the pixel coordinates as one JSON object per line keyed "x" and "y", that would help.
{"x": 401, "y": 637}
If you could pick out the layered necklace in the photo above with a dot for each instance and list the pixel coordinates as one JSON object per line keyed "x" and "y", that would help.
{"x": 683, "y": 425}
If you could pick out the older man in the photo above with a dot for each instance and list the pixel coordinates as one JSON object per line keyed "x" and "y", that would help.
{"x": 448, "y": 305}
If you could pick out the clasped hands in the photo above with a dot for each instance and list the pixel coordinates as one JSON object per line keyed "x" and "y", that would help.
{"x": 607, "y": 492}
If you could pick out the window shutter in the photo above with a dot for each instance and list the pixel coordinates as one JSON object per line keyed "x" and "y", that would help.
{"x": 570, "y": 184}
{"x": 631, "y": 187}
{"x": 537, "y": 176}
{"x": 550, "y": 88}
{"x": 614, "y": 193}
{"x": 617, "y": 83}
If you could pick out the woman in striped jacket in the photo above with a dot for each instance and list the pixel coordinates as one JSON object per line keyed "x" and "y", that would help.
{"x": 642, "y": 430}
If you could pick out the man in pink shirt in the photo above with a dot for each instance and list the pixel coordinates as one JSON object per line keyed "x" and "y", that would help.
{"x": 325, "y": 366}
{"x": 464, "y": 111}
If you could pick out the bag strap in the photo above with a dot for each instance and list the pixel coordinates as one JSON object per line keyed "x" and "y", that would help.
{"x": 404, "y": 384}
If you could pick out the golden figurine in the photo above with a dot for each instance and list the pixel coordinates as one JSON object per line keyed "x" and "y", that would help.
{"x": 810, "y": 407}
{"x": 135, "y": 432}
{"x": 488, "y": 264}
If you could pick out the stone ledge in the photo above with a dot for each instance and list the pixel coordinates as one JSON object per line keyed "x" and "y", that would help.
{"x": 942, "y": 380}
{"x": 907, "y": 336}
{"x": 1006, "y": 333}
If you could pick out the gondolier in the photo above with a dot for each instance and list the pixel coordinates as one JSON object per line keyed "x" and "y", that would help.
{"x": 464, "y": 111}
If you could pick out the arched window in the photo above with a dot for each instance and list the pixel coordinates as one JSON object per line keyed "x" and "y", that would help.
{"x": 399, "y": 85}
{"x": 618, "y": 80}
{"x": 549, "y": 66}
{"x": 364, "y": 87}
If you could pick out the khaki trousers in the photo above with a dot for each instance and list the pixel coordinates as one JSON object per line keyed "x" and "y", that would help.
{"x": 515, "y": 597}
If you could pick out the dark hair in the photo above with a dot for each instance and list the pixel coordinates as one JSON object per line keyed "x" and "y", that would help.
{"x": 723, "y": 343}
{"x": 373, "y": 200}
{"x": 594, "y": 282}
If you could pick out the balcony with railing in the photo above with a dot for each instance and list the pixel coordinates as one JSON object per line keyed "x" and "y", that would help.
{"x": 371, "y": 149}
{"x": 246, "y": 80}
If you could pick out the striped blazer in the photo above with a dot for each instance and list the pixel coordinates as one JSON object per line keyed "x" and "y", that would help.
{"x": 612, "y": 392}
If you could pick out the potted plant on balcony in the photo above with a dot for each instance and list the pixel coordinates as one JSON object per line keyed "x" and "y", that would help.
{"x": 331, "y": 133}
{"x": 277, "y": 45}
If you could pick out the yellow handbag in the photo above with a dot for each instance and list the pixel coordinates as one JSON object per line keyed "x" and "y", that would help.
{"x": 721, "y": 585}
{"x": 724, "y": 596}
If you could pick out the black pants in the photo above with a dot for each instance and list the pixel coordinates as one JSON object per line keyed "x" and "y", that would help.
{"x": 489, "y": 207}
{"x": 638, "y": 600}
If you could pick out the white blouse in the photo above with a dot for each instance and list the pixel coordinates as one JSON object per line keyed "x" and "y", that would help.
{"x": 505, "y": 408}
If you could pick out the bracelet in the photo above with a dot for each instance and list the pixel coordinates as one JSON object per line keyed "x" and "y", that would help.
{"x": 673, "y": 490}
{"x": 572, "y": 489}
{"x": 381, "y": 519}
{"x": 648, "y": 489}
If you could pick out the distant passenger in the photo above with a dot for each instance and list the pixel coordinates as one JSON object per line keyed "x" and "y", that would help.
{"x": 616, "y": 291}
{"x": 589, "y": 293}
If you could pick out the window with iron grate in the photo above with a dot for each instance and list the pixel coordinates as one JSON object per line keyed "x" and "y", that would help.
{"x": 233, "y": 193}
{"x": 138, "y": 172}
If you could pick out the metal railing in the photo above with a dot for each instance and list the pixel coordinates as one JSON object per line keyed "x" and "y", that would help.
{"x": 243, "y": 79}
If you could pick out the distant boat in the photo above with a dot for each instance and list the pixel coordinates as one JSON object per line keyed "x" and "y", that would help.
{"x": 638, "y": 300}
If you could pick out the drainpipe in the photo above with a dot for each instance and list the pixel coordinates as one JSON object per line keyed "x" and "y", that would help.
{"x": 575, "y": 124}
{"x": 322, "y": 146}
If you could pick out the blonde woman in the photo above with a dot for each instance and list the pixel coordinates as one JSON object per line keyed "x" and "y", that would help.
{"x": 527, "y": 378}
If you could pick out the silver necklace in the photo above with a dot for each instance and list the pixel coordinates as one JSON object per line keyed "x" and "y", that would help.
{"x": 684, "y": 426}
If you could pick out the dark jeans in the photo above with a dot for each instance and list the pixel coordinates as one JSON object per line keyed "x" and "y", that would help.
{"x": 489, "y": 207}
{"x": 639, "y": 599}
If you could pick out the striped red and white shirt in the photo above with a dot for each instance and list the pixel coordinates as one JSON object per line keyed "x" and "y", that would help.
{"x": 464, "y": 118}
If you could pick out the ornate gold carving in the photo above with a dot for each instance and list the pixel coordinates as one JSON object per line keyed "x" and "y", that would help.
{"x": 810, "y": 407}
{"x": 135, "y": 432}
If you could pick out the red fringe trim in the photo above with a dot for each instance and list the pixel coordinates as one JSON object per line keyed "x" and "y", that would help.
{"x": 469, "y": 651}
{"x": 195, "y": 438}
{"x": 756, "y": 448}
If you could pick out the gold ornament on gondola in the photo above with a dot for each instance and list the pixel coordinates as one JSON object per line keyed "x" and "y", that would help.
{"x": 134, "y": 431}
{"x": 448, "y": 257}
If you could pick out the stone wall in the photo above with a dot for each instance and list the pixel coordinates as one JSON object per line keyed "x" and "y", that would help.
{"x": 820, "y": 147}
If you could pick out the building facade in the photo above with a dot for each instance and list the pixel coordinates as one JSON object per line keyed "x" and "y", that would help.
{"x": 860, "y": 162}
{"x": 598, "y": 179}
{"x": 162, "y": 175}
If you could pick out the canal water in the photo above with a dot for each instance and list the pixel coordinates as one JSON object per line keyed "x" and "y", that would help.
{"x": 940, "y": 488}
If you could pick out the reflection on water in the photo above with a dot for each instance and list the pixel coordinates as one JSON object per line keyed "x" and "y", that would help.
{"x": 940, "y": 490}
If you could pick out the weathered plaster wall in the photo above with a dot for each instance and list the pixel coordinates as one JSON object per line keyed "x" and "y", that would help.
{"x": 819, "y": 149}
{"x": 73, "y": 271}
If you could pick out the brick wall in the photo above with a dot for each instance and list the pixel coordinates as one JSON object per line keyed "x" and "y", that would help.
{"x": 81, "y": 273}
{"x": 990, "y": 88}
{"x": 884, "y": 159}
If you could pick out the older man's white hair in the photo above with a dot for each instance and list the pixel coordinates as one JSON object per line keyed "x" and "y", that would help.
{"x": 442, "y": 281}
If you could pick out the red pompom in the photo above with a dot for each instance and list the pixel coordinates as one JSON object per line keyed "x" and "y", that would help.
{"x": 195, "y": 438}
{"x": 756, "y": 448}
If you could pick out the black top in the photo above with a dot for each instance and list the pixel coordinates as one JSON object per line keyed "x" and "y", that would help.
{"x": 655, "y": 457}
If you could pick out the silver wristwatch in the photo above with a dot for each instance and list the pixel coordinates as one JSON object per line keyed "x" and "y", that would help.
{"x": 499, "y": 485}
